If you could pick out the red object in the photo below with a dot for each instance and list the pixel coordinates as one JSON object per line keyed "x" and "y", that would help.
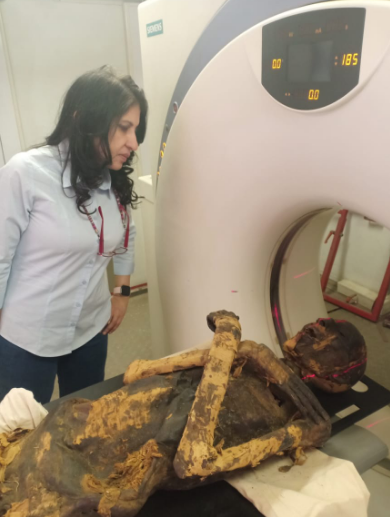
{"x": 101, "y": 236}
{"x": 139, "y": 286}
{"x": 119, "y": 251}
{"x": 126, "y": 243}
{"x": 329, "y": 236}
{"x": 375, "y": 312}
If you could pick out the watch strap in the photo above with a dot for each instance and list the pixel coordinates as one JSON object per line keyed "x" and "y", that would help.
{"x": 124, "y": 290}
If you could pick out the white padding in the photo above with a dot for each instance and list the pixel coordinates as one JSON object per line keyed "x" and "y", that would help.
{"x": 322, "y": 487}
{"x": 19, "y": 409}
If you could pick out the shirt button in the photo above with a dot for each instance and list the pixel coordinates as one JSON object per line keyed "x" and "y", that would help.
{"x": 84, "y": 282}
{"x": 78, "y": 304}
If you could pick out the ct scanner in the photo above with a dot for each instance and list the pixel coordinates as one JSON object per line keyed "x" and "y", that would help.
{"x": 266, "y": 119}
{"x": 255, "y": 164}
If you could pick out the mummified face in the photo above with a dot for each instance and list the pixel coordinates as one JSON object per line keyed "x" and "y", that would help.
{"x": 330, "y": 353}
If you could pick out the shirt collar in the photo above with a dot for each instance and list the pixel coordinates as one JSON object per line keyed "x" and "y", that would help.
{"x": 66, "y": 182}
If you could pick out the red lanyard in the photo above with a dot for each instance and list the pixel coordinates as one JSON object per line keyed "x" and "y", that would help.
{"x": 125, "y": 222}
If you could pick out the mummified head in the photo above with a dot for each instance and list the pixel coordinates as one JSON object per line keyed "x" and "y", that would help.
{"x": 330, "y": 353}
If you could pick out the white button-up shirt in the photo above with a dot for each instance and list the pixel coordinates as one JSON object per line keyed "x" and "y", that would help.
{"x": 53, "y": 286}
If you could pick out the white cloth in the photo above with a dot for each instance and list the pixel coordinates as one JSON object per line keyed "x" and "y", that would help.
{"x": 53, "y": 287}
{"x": 19, "y": 409}
{"x": 322, "y": 487}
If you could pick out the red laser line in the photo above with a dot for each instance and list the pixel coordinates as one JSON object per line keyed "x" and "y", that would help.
{"x": 309, "y": 376}
{"x": 377, "y": 422}
{"x": 304, "y": 274}
{"x": 335, "y": 375}
{"x": 276, "y": 314}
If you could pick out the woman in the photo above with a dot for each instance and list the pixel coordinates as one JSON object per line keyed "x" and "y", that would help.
{"x": 64, "y": 212}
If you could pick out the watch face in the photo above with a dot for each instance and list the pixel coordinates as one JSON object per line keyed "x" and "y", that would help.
{"x": 125, "y": 290}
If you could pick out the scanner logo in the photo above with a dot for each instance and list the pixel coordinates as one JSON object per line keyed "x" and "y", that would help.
{"x": 154, "y": 28}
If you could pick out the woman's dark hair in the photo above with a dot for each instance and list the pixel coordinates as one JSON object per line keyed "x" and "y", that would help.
{"x": 94, "y": 102}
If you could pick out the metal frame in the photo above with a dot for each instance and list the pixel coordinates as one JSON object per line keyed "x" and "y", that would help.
{"x": 375, "y": 312}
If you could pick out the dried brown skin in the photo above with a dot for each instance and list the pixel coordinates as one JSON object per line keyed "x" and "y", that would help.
{"x": 78, "y": 450}
{"x": 330, "y": 354}
{"x": 107, "y": 457}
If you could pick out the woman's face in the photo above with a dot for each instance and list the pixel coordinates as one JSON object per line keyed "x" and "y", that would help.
{"x": 122, "y": 138}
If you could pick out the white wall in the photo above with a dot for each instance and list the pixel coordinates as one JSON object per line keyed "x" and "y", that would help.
{"x": 363, "y": 254}
{"x": 47, "y": 45}
{"x": 9, "y": 133}
{"x": 50, "y": 44}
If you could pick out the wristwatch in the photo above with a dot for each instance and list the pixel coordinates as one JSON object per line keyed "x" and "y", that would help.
{"x": 124, "y": 290}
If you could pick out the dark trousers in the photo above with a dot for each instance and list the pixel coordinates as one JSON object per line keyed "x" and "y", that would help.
{"x": 78, "y": 370}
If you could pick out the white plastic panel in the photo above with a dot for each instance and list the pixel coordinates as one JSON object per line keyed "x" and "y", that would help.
{"x": 300, "y": 276}
{"x": 164, "y": 56}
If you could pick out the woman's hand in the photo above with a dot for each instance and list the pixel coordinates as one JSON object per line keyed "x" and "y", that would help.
{"x": 118, "y": 310}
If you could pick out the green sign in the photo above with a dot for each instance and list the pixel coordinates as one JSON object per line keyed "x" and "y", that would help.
{"x": 154, "y": 28}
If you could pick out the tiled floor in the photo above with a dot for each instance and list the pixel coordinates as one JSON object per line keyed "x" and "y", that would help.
{"x": 133, "y": 338}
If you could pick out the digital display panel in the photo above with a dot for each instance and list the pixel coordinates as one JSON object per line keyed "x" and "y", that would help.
{"x": 312, "y": 59}
{"x": 310, "y": 62}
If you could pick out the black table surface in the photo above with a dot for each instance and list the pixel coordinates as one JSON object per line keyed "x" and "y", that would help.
{"x": 220, "y": 499}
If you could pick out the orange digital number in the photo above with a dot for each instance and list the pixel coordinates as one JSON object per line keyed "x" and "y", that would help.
{"x": 276, "y": 64}
{"x": 314, "y": 95}
{"x": 350, "y": 59}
